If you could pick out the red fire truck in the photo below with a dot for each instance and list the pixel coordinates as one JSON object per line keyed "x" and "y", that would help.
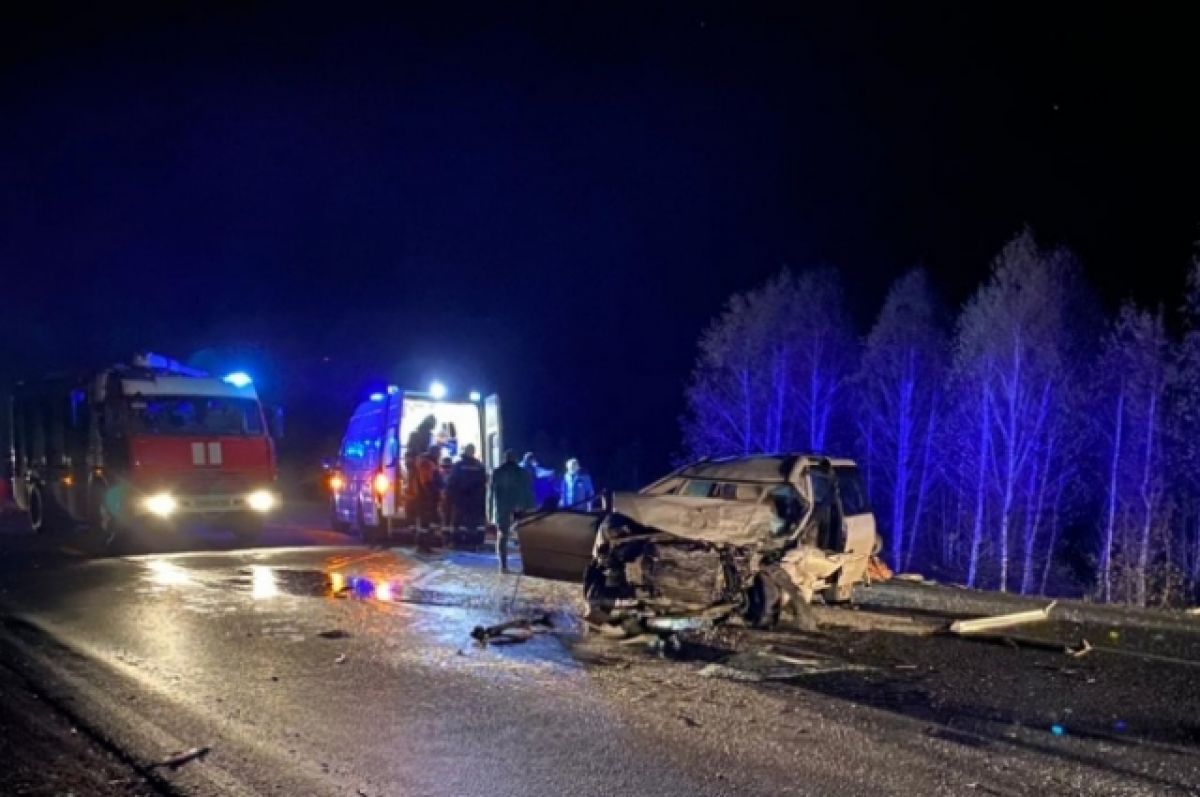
{"x": 148, "y": 443}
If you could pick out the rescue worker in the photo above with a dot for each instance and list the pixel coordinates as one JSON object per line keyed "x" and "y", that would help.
{"x": 467, "y": 491}
{"x": 430, "y": 485}
{"x": 446, "y": 467}
{"x": 511, "y": 492}
{"x": 419, "y": 441}
{"x": 542, "y": 479}
{"x": 577, "y": 490}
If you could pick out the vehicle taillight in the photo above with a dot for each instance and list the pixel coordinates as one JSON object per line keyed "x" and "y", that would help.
{"x": 336, "y": 482}
{"x": 382, "y": 483}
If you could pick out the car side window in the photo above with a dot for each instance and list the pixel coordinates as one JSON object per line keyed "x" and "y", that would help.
{"x": 852, "y": 491}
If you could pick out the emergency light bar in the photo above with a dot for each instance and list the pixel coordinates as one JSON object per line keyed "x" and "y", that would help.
{"x": 157, "y": 362}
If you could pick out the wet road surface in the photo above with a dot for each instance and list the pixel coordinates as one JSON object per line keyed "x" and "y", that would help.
{"x": 322, "y": 667}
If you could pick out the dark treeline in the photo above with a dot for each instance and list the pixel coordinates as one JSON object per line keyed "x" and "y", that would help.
{"x": 1026, "y": 444}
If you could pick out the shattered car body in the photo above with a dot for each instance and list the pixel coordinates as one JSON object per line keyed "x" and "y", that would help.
{"x": 718, "y": 537}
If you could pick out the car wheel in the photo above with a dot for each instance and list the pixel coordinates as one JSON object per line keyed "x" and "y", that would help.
{"x": 762, "y": 603}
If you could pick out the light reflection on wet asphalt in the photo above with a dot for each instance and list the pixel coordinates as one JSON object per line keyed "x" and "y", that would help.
{"x": 377, "y": 594}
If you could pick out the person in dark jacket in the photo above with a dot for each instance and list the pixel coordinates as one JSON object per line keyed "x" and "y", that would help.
{"x": 444, "y": 511}
{"x": 511, "y": 492}
{"x": 419, "y": 441}
{"x": 430, "y": 485}
{"x": 467, "y": 490}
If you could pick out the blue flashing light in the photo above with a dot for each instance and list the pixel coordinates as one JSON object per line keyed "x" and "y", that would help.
{"x": 393, "y": 390}
{"x": 476, "y": 396}
{"x": 237, "y": 379}
{"x": 376, "y": 397}
{"x": 437, "y": 390}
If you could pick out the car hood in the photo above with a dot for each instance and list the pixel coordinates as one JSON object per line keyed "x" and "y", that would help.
{"x": 736, "y": 523}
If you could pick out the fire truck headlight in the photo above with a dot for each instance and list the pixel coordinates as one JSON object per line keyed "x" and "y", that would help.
{"x": 382, "y": 483}
{"x": 261, "y": 501}
{"x": 336, "y": 483}
{"x": 163, "y": 504}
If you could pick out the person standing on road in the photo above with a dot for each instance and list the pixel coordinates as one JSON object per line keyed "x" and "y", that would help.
{"x": 467, "y": 491}
{"x": 419, "y": 441}
{"x": 577, "y": 490}
{"x": 542, "y": 479}
{"x": 429, "y": 487}
{"x": 511, "y": 492}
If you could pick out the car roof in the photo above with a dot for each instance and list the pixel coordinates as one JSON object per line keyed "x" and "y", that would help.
{"x": 758, "y": 467}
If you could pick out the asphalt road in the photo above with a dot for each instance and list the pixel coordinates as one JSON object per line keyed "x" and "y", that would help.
{"x": 315, "y": 666}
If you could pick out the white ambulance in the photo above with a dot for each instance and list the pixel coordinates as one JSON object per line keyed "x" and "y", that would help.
{"x": 367, "y": 480}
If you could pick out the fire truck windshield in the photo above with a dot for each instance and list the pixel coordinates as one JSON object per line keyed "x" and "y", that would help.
{"x": 195, "y": 415}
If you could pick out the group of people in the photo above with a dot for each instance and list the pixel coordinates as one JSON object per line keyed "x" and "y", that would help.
{"x": 458, "y": 495}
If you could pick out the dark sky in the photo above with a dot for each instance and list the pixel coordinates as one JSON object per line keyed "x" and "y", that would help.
{"x": 551, "y": 202}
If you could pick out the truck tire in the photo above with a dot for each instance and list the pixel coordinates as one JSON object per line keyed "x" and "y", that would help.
{"x": 45, "y": 515}
{"x": 369, "y": 534}
{"x": 335, "y": 521}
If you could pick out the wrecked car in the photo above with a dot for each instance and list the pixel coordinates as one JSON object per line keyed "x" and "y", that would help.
{"x": 719, "y": 537}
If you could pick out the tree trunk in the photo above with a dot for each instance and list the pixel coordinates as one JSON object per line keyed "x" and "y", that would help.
{"x": 1111, "y": 520}
{"x": 1053, "y": 535}
{"x": 980, "y": 493}
{"x": 1147, "y": 501}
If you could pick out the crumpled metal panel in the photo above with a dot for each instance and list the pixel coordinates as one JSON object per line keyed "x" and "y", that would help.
{"x": 736, "y": 523}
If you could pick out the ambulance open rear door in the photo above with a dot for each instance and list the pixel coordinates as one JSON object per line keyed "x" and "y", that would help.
{"x": 493, "y": 444}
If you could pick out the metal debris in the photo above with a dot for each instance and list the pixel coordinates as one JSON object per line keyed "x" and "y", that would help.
{"x": 335, "y": 633}
{"x": 175, "y": 760}
{"x": 519, "y": 630}
{"x": 1081, "y": 651}
{"x": 984, "y": 624}
{"x": 341, "y": 657}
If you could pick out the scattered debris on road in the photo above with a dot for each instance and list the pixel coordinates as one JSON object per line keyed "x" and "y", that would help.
{"x": 335, "y": 633}
{"x": 1078, "y": 653}
{"x": 341, "y": 658}
{"x": 176, "y": 760}
{"x": 512, "y": 631}
{"x": 877, "y": 570}
{"x": 764, "y": 664}
{"x": 994, "y": 623}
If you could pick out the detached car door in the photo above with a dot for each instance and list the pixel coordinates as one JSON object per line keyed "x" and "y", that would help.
{"x": 557, "y": 544}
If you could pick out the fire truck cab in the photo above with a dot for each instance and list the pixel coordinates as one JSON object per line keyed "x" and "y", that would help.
{"x": 367, "y": 484}
{"x": 150, "y": 443}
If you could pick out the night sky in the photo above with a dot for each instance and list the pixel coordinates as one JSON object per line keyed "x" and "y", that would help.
{"x": 552, "y": 203}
